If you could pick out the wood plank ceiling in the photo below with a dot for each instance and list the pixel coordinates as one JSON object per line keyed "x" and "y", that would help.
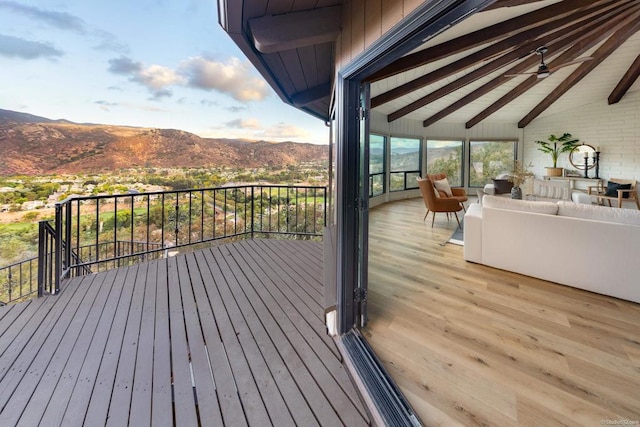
{"x": 291, "y": 43}
{"x": 472, "y": 72}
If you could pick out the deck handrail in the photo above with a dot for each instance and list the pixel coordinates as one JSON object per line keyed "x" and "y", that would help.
{"x": 94, "y": 233}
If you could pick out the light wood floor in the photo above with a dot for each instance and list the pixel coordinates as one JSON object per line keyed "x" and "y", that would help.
{"x": 472, "y": 345}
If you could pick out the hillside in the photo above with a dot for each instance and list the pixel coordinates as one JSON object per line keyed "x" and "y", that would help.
{"x": 34, "y": 145}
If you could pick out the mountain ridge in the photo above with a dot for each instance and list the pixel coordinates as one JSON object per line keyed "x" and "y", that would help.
{"x": 33, "y": 145}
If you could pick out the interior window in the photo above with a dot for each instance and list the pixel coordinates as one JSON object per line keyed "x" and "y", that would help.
{"x": 488, "y": 159}
{"x": 405, "y": 163}
{"x": 376, "y": 165}
{"x": 445, "y": 157}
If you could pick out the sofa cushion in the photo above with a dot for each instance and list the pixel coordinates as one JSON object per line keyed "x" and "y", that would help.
{"x": 613, "y": 187}
{"x": 547, "y": 208}
{"x": 599, "y": 213}
{"x": 443, "y": 185}
{"x": 552, "y": 189}
{"x": 502, "y": 186}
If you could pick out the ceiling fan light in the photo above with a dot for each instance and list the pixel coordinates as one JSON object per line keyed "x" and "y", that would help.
{"x": 543, "y": 74}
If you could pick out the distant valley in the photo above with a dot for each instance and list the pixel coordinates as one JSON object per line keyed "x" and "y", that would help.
{"x": 32, "y": 145}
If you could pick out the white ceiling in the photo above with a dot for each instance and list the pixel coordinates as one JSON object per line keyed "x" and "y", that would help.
{"x": 597, "y": 86}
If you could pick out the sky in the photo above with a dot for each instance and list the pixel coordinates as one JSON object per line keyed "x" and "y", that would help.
{"x": 149, "y": 63}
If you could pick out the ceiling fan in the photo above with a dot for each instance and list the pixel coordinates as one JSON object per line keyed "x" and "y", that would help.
{"x": 543, "y": 70}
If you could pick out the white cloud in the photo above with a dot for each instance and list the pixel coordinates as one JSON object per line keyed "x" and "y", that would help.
{"x": 234, "y": 78}
{"x": 251, "y": 123}
{"x": 285, "y": 131}
{"x": 157, "y": 77}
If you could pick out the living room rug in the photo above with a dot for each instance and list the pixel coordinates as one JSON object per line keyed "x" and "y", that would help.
{"x": 457, "y": 237}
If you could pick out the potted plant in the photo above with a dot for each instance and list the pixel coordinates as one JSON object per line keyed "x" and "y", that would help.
{"x": 518, "y": 175}
{"x": 556, "y": 146}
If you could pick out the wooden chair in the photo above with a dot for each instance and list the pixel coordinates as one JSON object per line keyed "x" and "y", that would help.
{"x": 600, "y": 190}
{"x": 437, "y": 204}
{"x": 458, "y": 193}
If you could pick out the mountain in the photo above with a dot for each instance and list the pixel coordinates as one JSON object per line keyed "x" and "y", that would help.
{"x": 33, "y": 145}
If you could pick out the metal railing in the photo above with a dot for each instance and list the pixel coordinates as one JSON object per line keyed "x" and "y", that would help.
{"x": 96, "y": 233}
{"x": 19, "y": 280}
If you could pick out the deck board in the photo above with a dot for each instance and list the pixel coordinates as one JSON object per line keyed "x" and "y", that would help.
{"x": 285, "y": 314}
{"x": 81, "y": 393}
{"x": 102, "y": 390}
{"x": 298, "y": 315}
{"x": 231, "y": 335}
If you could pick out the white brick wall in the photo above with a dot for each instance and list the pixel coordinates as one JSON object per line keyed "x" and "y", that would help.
{"x": 614, "y": 128}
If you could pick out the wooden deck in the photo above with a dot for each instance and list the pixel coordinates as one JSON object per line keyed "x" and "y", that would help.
{"x": 472, "y": 345}
{"x": 232, "y": 335}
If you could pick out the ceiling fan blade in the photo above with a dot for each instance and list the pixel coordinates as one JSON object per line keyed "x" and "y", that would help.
{"x": 566, "y": 64}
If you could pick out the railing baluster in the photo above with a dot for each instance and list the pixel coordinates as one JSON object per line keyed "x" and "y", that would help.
{"x": 65, "y": 249}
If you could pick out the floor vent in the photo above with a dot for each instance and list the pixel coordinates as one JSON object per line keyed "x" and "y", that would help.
{"x": 385, "y": 400}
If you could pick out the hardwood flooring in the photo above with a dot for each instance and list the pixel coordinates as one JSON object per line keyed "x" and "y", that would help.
{"x": 472, "y": 345}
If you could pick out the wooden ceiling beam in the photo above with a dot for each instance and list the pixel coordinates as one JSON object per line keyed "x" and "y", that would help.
{"x": 497, "y": 48}
{"x": 275, "y": 33}
{"x": 525, "y": 50}
{"x": 594, "y": 27}
{"x": 612, "y": 43}
{"x": 626, "y": 82}
{"x": 594, "y": 34}
{"x": 494, "y": 32}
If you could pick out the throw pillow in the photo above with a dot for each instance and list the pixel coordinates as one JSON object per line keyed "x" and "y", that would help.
{"x": 613, "y": 187}
{"x": 443, "y": 185}
{"x": 502, "y": 186}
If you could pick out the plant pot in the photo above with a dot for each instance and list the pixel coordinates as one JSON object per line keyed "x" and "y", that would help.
{"x": 554, "y": 171}
{"x": 516, "y": 193}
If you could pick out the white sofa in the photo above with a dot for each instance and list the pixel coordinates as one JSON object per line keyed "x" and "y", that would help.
{"x": 542, "y": 190}
{"x": 590, "y": 247}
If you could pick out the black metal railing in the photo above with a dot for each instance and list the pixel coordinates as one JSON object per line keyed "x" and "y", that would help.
{"x": 96, "y": 233}
{"x": 19, "y": 281}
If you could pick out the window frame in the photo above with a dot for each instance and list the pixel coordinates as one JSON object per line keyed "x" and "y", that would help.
{"x": 514, "y": 141}
{"x": 405, "y": 172}
{"x": 385, "y": 142}
{"x": 463, "y": 145}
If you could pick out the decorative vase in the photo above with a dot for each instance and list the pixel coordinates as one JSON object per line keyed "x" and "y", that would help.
{"x": 516, "y": 193}
{"x": 554, "y": 171}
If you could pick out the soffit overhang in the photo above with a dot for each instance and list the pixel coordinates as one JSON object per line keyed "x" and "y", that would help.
{"x": 290, "y": 43}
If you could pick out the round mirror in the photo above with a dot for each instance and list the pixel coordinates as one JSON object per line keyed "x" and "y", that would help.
{"x": 580, "y": 153}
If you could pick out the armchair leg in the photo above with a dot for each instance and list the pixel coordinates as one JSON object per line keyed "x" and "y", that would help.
{"x": 433, "y": 219}
{"x": 463, "y": 207}
{"x": 456, "y": 214}
{"x": 425, "y": 215}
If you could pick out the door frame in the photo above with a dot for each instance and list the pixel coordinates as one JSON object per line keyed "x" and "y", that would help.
{"x": 425, "y": 22}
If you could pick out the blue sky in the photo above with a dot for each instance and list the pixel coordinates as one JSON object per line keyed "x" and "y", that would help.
{"x": 150, "y": 63}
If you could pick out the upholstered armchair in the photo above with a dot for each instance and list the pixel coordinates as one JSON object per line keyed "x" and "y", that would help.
{"x": 435, "y": 204}
{"x": 456, "y": 193}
